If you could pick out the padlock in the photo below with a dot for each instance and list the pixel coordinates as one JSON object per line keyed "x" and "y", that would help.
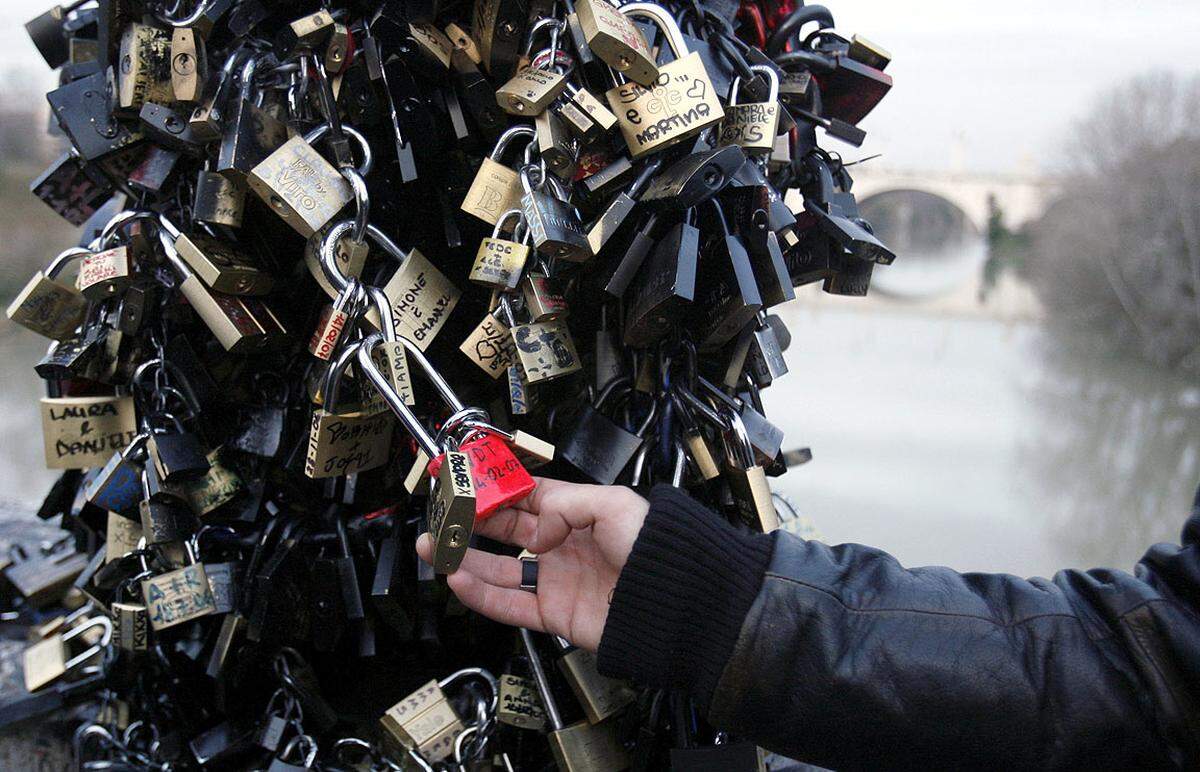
{"x": 338, "y": 49}
{"x": 167, "y": 128}
{"x": 213, "y": 489}
{"x": 463, "y": 41}
{"x": 189, "y": 64}
{"x": 117, "y": 487}
{"x": 609, "y": 223}
{"x": 144, "y": 72}
{"x": 82, "y": 432}
{"x": 42, "y": 579}
{"x": 105, "y": 273}
{"x": 545, "y": 350}
{"x": 582, "y": 746}
{"x": 600, "y": 119}
{"x": 500, "y": 479}
{"x": 496, "y": 188}
{"x": 300, "y": 186}
{"x": 425, "y": 722}
{"x": 48, "y": 660}
{"x": 680, "y": 102}
{"x": 451, "y": 512}
{"x": 752, "y": 125}
{"x": 307, "y": 31}
{"x": 543, "y": 296}
{"x": 521, "y": 400}
{"x": 490, "y": 345}
{"x": 237, "y": 322}
{"x": 530, "y": 91}
{"x": 694, "y": 179}
{"x": 555, "y": 145}
{"x": 499, "y": 263}
{"x": 499, "y": 27}
{"x": 222, "y": 266}
{"x": 341, "y": 443}
{"x": 746, "y": 478}
{"x": 121, "y": 535}
{"x": 617, "y": 40}
{"x": 763, "y": 354}
{"x": 553, "y": 224}
{"x": 596, "y": 445}
{"x": 164, "y": 515}
{"x": 49, "y": 307}
{"x": 727, "y": 296}
{"x": 520, "y": 705}
{"x": 433, "y": 44}
{"x": 334, "y": 320}
{"x": 74, "y": 189}
{"x": 664, "y": 287}
{"x": 694, "y": 441}
{"x": 178, "y": 596}
{"x": 130, "y": 620}
{"x": 600, "y": 697}
{"x": 249, "y": 134}
{"x": 298, "y": 755}
{"x": 177, "y": 455}
{"x": 218, "y": 200}
{"x": 46, "y": 32}
{"x": 84, "y": 110}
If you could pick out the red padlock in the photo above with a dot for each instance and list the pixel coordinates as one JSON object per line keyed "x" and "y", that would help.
{"x": 500, "y": 479}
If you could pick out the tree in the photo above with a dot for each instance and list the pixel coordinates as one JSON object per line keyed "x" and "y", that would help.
{"x": 1119, "y": 252}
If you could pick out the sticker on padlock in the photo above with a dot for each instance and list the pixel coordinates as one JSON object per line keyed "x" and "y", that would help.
{"x": 500, "y": 479}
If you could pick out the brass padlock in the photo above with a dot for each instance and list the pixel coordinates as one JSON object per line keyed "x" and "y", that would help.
{"x": 461, "y": 40}
{"x": 237, "y": 322}
{"x": 350, "y": 255}
{"x": 612, "y": 36}
{"x": 520, "y": 705}
{"x": 121, "y": 535}
{"x": 308, "y": 31}
{"x": 545, "y": 350}
{"x": 213, "y": 489}
{"x": 452, "y": 512}
{"x": 189, "y": 64}
{"x": 345, "y": 442}
{"x": 178, "y": 596}
{"x": 490, "y": 346}
{"x": 601, "y": 697}
{"x": 106, "y": 273}
{"x": 47, "y": 306}
{"x": 422, "y": 299}
{"x": 543, "y": 295}
{"x": 433, "y": 44}
{"x": 425, "y": 722}
{"x": 333, "y": 321}
{"x": 82, "y": 432}
{"x": 46, "y": 661}
{"x": 752, "y": 125}
{"x": 496, "y": 188}
{"x": 131, "y": 625}
{"x": 500, "y": 262}
{"x": 498, "y": 26}
{"x": 747, "y": 479}
{"x": 300, "y": 186}
{"x": 222, "y": 266}
{"x": 680, "y": 103}
{"x": 530, "y": 91}
{"x": 144, "y": 72}
{"x": 555, "y": 145}
{"x": 579, "y": 747}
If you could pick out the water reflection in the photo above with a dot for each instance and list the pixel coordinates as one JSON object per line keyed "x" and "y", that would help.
{"x": 1121, "y": 459}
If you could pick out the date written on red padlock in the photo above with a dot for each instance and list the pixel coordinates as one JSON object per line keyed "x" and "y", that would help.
{"x": 500, "y": 479}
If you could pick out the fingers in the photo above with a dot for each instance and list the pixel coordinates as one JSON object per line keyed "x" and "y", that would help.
{"x": 505, "y": 605}
{"x": 500, "y": 570}
{"x": 511, "y": 526}
{"x": 562, "y": 507}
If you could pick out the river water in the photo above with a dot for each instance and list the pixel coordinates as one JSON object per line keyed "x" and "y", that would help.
{"x": 968, "y": 442}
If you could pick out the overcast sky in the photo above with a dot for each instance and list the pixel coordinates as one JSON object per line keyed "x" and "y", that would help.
{"x": 980, "y": 86}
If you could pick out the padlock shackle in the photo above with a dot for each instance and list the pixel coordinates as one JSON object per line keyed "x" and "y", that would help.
{"x": 506, "y": 139}
{"x": 535, "y": 29}
{"x": 504, "y": 218}
{"x": 380, "y": 382}
{"x": 790, "y": 26}
{"x": 539, "y": 680}
{"x": 331, "y": 386}
{"x": 328, "y": 250}
{"x": 187, "y": 21}
{"x": 663, "y": 19}
{"x": 91, "y": 651}
{"x": 772, "y": 83}
{"x": 480, "y": 673}
{"x": 743, "y": 446}
{"x": 63, "y": 259}
{"x": 121, "y": 219}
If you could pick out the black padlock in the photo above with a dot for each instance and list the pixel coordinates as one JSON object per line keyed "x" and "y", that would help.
{"x": 664, "y": 287}
{"x": 609, "y": 223}
{"x": 694, "y": 179}
{"x": 177, "y": 455}
{"x": 596, "y": 445}
{"x": 170, "y": 129}
{"x": 72, "y": 188}
{"x": 389, "y": 595}
{"x": 84, "y": 110}
{"x": 46, "y": 32}
{"x": 727, "y": 296}
{"x": 635, "y": 254}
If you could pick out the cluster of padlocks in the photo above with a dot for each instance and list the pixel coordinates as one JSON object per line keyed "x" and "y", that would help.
{"x": 349, "y": 270}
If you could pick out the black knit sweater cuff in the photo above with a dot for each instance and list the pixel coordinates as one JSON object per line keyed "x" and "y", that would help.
{"x": 682, "y": 596}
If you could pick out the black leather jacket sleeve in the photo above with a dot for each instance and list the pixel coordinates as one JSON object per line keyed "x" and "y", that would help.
{"x": 846, "y": 659}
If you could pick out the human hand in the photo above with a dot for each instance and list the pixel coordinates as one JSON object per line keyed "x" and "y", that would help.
{"x": 582, "y": 535}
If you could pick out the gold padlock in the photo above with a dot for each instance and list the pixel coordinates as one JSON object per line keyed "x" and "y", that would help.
{"x": 300, "y": 186}
{"x": 752, "y": 125}
{"x": 520, "y": 705}
{"x": 337, "y": 50}
{"x": 499, "y": 261}
{"x": 618, "y": 42}
{"x": 545, "y": 350}
{"x": 463, "y": 41}
{"x": 530, "y": 91}
{"x": 46, "y": 661}
{"x": 106, "y": 273}
{"x": 178, "y": 596}
{"x": 47, "y": 306}
{"x": 425, "y": 722}
{"x": 82, "y": 432}
{"x": 144, "y": 72}
{"x": 309, "y": 31}
{"x": 345, "y": 442}
{"x": 222, "y": 266}
{"x": 680, "y": 103}
{"x": 189, "y": 64}
{"x": 422, "y": 299}
{"x": 496, "y": 187}
{"x": 555, "y": 145}
{"x": 433, "y": 44}
{"x": 490, "y": 346}
{"x": 452, "y": 512}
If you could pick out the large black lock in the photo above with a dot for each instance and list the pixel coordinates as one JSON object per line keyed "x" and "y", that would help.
{"x": 727, "y": 296}
{"x": 72, "y": 188}
{"x": 664, "y": 287}
{"x": 84, "y": 110}
{"x": 596, "y": 445}
{"x": 694, "y": 179}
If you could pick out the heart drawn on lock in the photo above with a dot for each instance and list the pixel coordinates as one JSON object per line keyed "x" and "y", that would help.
{"x": 697, "y": 90}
